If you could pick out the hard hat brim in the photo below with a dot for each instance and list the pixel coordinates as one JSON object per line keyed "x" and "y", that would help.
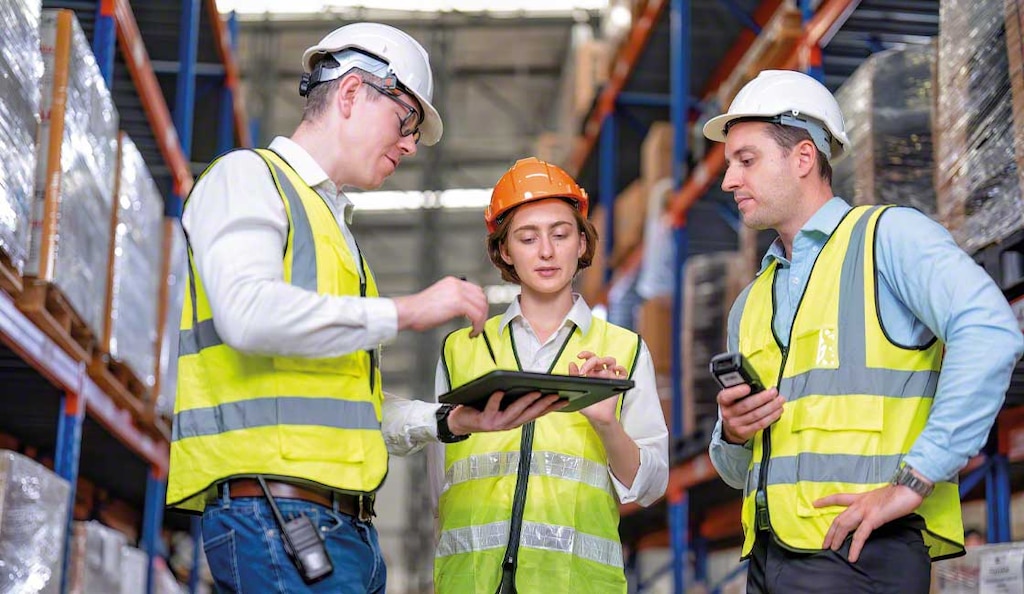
{"x": 714, "y": 129}
{"x": 431, "y": 128}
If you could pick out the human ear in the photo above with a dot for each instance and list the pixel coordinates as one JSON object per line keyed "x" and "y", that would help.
{"x": 503, "y": 250}
{"x": 347, "y": 92}
{"x": 805, "y": 158}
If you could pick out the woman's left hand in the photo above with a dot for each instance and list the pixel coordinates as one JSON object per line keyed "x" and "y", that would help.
{"x": 603, "y": 412}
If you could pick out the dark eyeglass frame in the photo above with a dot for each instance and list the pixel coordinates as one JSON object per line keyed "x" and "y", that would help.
{"x": 403, "y": 121}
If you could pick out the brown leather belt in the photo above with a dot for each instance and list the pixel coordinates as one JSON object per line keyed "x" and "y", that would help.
{"x": 358, "y": 506}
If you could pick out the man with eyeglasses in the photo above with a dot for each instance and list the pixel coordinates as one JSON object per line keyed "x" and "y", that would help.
{"x": 281, "y": 430}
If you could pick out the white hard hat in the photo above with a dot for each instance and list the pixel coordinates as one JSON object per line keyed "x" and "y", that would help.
{"x": 402, "y": 56}
{"x": 790, "y": 98}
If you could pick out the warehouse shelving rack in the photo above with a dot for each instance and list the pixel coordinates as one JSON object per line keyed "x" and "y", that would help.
{"x": 836, "y": 36}
{"x": 153, "y": 54}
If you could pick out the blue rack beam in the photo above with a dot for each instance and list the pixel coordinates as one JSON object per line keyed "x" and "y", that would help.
{"x": 104, "y": 41}
{"x": 607, "y": 184}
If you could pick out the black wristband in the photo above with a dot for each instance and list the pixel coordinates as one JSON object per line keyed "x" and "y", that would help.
{"x": 444, "y": 434}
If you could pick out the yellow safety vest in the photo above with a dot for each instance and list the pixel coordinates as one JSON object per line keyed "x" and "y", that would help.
{"x": 238, "y": 414}
{"x": 547, "y": 481}
{"x": 855, "y": 400}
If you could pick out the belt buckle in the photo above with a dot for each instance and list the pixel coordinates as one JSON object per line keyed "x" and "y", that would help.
{"x": 364, "y": 511}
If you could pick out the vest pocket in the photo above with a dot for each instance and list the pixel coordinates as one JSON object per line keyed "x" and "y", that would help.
{"x": 838, "y": 442}
{"x": 312, "y": 433}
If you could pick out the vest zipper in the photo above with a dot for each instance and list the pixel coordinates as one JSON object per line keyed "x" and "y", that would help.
{"x": 507, "y": 584}
{"x": 362, "y": 293}
{"x": 763, "y": 521}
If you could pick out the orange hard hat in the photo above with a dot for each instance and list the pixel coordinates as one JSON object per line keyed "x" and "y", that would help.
{"x": 532, "y": 179}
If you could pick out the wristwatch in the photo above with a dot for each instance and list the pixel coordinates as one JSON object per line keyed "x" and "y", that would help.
{"x": 905, "y": 477}
{"x": 444, "y": 434}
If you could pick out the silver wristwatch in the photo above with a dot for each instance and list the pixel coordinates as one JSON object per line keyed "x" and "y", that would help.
{"x": 905, "y": 477}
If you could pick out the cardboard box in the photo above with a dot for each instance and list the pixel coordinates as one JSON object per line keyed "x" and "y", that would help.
{"x": 656, "y": 153}
{"x": 630, "y": 216}
{"x": 655, "y": 326}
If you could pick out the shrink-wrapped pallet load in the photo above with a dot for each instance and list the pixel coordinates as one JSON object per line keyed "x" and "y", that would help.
{"x": 887, "y": 104}
{"x": 75, "y": 173}
{"x": 33, "y": 520}
{"x": 21, "y": 66}
{"x": 131, "y": 331}
{"x": 977, "y": 178}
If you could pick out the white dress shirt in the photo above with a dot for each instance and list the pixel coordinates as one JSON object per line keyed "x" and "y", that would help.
{"x": 641, "y": 417}
{"x": 237, "y": 227}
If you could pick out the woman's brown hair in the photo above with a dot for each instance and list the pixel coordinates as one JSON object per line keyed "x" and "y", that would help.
{"x": 508, "y": 272}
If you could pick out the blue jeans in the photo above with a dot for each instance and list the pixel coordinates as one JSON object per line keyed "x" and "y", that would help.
{"x": 246, "y": 555}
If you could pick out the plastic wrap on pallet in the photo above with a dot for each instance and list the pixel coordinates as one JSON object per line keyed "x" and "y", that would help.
{"x": 21, "y": 66}
{"x": 138, "y": 246}
{"x": 76, "y": 232}
{"x": 164, "y": 581}
{"x": 33, "y": 516}
{"x": 976, "y": 174}
{"x": 887, "y": 104}
{"x": 175, "y": 297}
{"x": 95, "y": 566}
{"x": 134, "y": 567}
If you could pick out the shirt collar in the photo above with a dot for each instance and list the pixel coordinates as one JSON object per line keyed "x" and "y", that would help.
{"x": 311, "y": 173}
{"x": 579, "y": 314}
{"x": 821, "y": 225}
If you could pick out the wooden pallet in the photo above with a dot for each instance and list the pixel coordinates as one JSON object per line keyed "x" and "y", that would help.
{"x": 120, "y": 382}
{"x": 10, "y": 278}
{"x": 45, "y": 305}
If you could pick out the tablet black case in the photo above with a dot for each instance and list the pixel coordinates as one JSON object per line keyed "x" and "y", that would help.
{"x": 580, "y": 391}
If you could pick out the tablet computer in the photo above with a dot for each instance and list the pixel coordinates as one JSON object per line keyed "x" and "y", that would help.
{"x": 581, "y": 392}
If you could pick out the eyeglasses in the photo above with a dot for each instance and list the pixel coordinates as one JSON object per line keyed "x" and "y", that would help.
{"x": 409, "y": 124}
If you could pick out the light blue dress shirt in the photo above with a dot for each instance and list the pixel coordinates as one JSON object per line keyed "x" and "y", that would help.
{"x": 928, "y": 287}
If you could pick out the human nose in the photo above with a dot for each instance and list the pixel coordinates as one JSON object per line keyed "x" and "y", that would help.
{"x": 407, "y": 144}
{"x": 547, "y": 247}
{"x": 731, "y": 180}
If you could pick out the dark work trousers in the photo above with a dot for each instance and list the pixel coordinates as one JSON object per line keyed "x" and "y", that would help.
{"x": 893, "y": 561}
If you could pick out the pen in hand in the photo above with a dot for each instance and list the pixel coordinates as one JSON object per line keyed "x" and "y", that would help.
{"x": 487, "y": 342}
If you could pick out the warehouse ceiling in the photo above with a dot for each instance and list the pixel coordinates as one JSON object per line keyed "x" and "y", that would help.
{"x": 496, "y": 83}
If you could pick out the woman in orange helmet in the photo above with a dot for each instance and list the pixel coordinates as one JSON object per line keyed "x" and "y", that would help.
{"x": 535, "y": 509}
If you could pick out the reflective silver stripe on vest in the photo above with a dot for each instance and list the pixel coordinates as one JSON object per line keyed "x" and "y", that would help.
{"x": 203, "y": 335}
{"x": 852, "y": 377}
{"x": 828, "y": 468}
{"x": 495, "y": 464}
{"x": 264, "y": 412}
{"x": 870, "y": 381}
{"x": 560, "y": 539}
{"x": 303, "y": 245}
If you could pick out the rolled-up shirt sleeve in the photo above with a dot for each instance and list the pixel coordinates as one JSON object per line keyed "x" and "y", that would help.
{"x": 237, "y": 229}
{"x": 643, "y": 420}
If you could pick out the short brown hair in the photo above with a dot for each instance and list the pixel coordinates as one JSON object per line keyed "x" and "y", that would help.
{"x": 320, "y": 95}
{"x": 788, "y": 137}
{"x": 508, "y": 272}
